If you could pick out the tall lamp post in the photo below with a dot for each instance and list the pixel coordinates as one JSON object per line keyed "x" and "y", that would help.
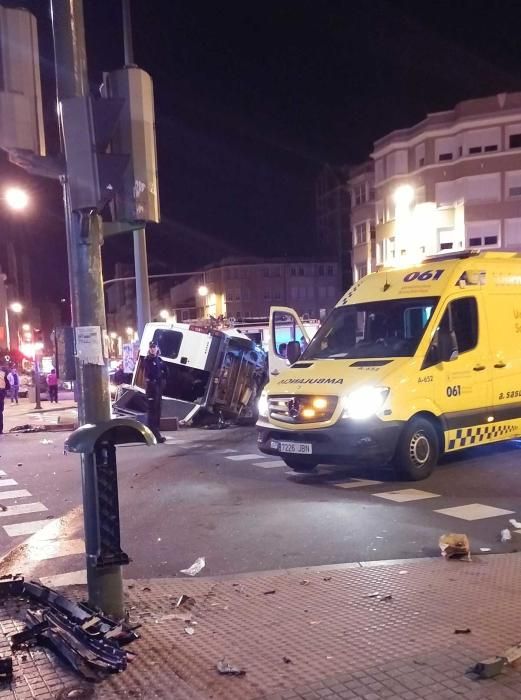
{"x": 16, "y": 308}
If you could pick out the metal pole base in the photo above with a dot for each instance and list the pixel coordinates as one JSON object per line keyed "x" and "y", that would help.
{"x": 106, "y": 589}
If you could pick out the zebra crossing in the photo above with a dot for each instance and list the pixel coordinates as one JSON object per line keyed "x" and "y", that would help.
{"x": 15, "y": 510}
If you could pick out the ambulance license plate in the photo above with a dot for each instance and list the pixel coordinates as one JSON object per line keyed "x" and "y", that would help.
{"x": 297, "y": 448}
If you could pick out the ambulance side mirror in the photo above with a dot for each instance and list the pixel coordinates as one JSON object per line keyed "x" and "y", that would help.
{"x": 293, "y": 351}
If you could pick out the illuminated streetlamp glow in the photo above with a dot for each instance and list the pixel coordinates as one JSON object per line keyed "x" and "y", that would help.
{"x": 130, "y": 331}
{"x": 403, "y": 196}
{"x": 203, "y": 290}
{"x": 16, "y": 307}
{"x": 164, "y": 314}
{"x": 26, "y": 327}
{"x": 16, "y": 198}
{"x": 113, "y": 335}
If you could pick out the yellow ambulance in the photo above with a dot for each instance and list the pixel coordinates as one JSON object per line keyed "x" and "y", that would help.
{"x": 411, "y": 363}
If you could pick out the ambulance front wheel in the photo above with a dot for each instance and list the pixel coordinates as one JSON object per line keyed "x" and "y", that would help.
{"x": 418, "y": 450}
{"x": 299, "y": 465}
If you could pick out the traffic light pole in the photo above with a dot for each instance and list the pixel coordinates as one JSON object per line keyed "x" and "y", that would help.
{"x": 84, "y": 239}
{"x": 143, "y": 315}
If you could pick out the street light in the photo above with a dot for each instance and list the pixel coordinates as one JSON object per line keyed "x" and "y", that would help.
{"x": 16, "y": 198}
{"x": 403, "y": 196}
{"x": 113, "y": 335}
{"x": 16, "y": 307}
{"x": 203, "y": 290}
{"x": 26, "y": 327}
{"x": 164, "y": 314}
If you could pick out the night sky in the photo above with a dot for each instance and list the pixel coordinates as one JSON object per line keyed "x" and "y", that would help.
{"x": 251, "y": 100}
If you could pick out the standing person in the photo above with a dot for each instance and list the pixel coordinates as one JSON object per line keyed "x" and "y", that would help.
{"x": 155, "y": 372}
{"x": 52, "y": 384}
{"x": 14, "y": 382}
{"x": 4, "y": 387}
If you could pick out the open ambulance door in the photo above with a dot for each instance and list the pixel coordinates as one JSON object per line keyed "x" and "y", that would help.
{"x": 285, "y": 326}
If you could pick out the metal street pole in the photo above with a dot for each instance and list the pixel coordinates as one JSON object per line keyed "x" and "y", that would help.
{"x": 84, "y": 238}
{"x": 37, "y": 393}
{"x": 143, "y": 315}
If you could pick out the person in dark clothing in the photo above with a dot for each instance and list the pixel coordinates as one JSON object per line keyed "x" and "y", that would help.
{"x": 4, "y": 388}
{"x": 155, "y": 374}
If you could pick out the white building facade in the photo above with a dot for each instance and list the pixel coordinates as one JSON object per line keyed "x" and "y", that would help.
{"x": 451, "y": 182}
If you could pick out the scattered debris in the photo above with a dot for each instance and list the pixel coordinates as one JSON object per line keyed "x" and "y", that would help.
{"x": 466, "y": 630}
{"x": 314, "y": 622}
{"x": 403, "y": 571}
{"x": 287, "y": 660}
{"x": 227, "y": 669}
{"x": 270, "y": 592}
{"x": 515, "y": 524}
{"x": 6, "y": 669}
{"x": 495, "y": 664}
{"x": 20, "y": 464}
{"x": 189, "y": 630}
{"x": 305, "y": 582}
{"x": 506, "y": 535}
{"x": 372, "y": 595}
{"x": 326, "y": 578}
{"x": 388, "y": 596}
{"x": 85, "y": 639}
{"x": 3, "y": 508}
{"x": 46, "y": 441}
{"x": 196, "y": 567}
{"x": 485, "y": 549}
{"x": 146, "y": 589}
{"x": 455, "y": 546}
{"x": 380, "y": 596}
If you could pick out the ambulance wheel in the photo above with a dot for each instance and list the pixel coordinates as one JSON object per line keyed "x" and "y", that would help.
{"x": 299, "y": 465}
{"x": 418, "y": 450}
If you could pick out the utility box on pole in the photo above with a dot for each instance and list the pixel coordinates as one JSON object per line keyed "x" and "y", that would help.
{"x": 21, "y": 114}
{"x": 138, "y": 197}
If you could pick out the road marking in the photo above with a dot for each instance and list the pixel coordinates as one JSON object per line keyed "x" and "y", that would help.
{"x": 272, "y": 464}
{"x": 223, "y": 452}
{"x": 22, "y": 493}
{"x": 2, "y": 473}
{"x": 25, "y": 528}
{"x": 474, "y": 511}
{"x": 244, "y": 458}
{"x": 357, "y": 483}
{"x": 22, "y": 509}
{"x": 8, "y": 482}
{"x": 41, "y": 551}
{"x": 406, "y": 495}
{"x": 73, "y": 578}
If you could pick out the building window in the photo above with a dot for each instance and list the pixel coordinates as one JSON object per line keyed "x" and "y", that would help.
{"x": 301, "y": 272}
{"x": 445, "y": 156}
{"x": 267, "y": 295}
{"x": 294, "y": 292}
{"x": 474, "y": 241}
{"x": 380, "y": 213}
{"x": 419, "y": 155}
{"x": 475, "y": 149}
{"x": 276, "y": 296}
{"x": 360, "y": 194}
{"x": 330, "y": 270}
{"x": 482, "y": 188}
{"x": 360, "y": 271}
{"x": 513, "y": 183}
{"x": 514, "y": 192}
{"x": 514, "y": 141}
{"x": 490, "y": 240}
{"x": 379, "y": 170}
{"x": 491, "y": 148}
{"x": 293, "y": 271}
{"x": 265, "y": 272}
{"x": 360, "y": 233}
{"x": 320, "y": 270}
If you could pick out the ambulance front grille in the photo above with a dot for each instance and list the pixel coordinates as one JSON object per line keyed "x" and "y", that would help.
{"x": 302, "y": 409}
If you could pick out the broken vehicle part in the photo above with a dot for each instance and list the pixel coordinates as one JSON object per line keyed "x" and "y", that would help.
{"x": 227, "y": 669}
{"x": 455, "y": 546}
{"x": 196, "y": 567}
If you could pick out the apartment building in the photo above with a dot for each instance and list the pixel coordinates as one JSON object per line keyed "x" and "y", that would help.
{"x": 244, "y": 288}
{"x": 450, "y": 182}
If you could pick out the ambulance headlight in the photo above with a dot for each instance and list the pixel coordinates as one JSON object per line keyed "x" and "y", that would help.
{"x": 262, "y": 405}
{"x": 364, "y": 402}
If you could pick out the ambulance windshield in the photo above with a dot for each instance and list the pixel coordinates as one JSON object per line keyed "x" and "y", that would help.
{"x": 390, "y": 328}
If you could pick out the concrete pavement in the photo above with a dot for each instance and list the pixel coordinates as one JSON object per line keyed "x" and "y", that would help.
{"x": 342, "y": 632}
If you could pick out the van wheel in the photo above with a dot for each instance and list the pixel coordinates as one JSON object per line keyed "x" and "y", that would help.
{"x": 418, "y": 450}
{"x": 299, "y": 465}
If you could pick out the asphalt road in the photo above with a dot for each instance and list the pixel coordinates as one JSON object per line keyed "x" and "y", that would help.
{"x": 211, "y": 494}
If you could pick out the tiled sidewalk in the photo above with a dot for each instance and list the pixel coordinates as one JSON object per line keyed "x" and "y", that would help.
{"x": 311, "y": 634}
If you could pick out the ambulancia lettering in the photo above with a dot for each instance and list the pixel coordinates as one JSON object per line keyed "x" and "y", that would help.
{"x": 328, "y": 380}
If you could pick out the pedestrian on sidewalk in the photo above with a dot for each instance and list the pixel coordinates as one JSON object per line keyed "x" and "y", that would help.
{"x": 14, "y": 383}
{"x": 4, "y": 388}
{"x": 155, "y": 375}
{"x": 52, "y": 384}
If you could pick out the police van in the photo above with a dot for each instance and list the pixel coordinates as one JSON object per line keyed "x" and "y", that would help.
{"x": 412, "y": 363}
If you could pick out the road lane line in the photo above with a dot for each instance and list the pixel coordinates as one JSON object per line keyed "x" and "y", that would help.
{"x": 2, "y": 473}
{"x": 8, "y": 482}
{"x": 21, "y": 493}
{"x": 243, "y": 458}
{"x": 22, "y": 509}
{"x": 73, "y": 578}
{"x": 273, "y": 464}
{"x": 223, "y": 452}
{"x": 357, "y": 483}
{"x": 25, "y": 528}
{"x": 52, "y": 549}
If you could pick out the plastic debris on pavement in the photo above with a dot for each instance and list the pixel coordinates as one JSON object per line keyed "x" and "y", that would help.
{"x": 465, "y": 630}
{"x": 515, "y": 524}
{"x": 227, "y": 669}
{"x": 189, "y": 630}
{"x": 45, "y": 441}
{"x": 196, "y": 567}
{"x": 455, "y": 546}
{"x": 506, "y": 535}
